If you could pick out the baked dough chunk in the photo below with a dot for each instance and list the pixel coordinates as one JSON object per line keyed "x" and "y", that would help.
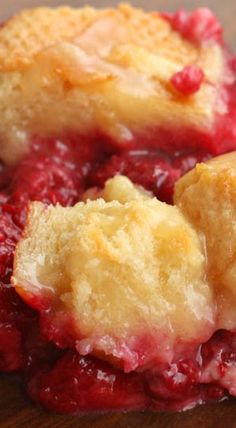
{"x": 104, "y": 72}
{"x": 131, "y": 275}
{"x": 119, "y": 188}
{"x": 207, "y": 197}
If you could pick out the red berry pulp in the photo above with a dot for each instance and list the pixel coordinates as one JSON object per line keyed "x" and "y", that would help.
{"x": 189, "y": 80}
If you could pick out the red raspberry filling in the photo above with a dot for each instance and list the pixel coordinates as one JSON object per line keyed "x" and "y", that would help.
{"x": 77, "y": 384}
{"x": 189, "y": 80}
{"x": 51, "y": 173}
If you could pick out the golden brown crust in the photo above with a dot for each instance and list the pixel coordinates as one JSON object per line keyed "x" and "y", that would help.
{"x": 31, "y": 31}
{"x": 28, "y": 33}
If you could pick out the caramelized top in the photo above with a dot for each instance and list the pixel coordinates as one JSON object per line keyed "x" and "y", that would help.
{"x": 30, "y": 32}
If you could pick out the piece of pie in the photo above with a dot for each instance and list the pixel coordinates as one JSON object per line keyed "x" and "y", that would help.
{"x": 111, "y": 298}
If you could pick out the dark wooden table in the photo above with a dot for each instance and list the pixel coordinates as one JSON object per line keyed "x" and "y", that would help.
{"x": 15, "y": 410}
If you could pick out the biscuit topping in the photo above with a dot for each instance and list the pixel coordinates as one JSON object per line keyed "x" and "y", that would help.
{"x": 130, "y": 273}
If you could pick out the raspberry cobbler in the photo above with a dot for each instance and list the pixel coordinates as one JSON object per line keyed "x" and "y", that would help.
{"x": 110, "y": 298}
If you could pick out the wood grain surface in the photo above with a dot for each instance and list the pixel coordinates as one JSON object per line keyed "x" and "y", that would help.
{"x": 15, "y": 410}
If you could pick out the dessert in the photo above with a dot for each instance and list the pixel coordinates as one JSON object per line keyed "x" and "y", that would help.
{"x": 61, "y": 74}
{"x": 110, "y": 299}
{"x": 142, "y": 308}
{"x": 87, "y": 263}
